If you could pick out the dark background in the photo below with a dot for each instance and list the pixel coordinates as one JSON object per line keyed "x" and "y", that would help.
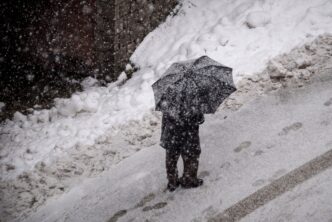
{"x": 49, "y": 46}
{"x": 46, "y": 49}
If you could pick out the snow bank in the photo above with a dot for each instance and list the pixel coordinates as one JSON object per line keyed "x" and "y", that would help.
{"x": 217, "y": 28}
{"x": 301, "y": 63}
{"x": 241, "y": 34}
{"x": 45, "y": 134}
{"x": 84, "y": 102}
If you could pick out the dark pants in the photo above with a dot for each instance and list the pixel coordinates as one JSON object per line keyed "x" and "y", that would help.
{"x": 190, "y": 165}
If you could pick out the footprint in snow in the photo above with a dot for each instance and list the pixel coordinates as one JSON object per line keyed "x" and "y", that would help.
{"x": 225, "y": 165}
{"x": 146, "y": 200}
{"x": 242, "y": 146}
{"x": 155, "y": 207}
{"x": 270, "y": 146}
{"x": 258, "y": 152}
{"x": 117, "y": 215}
{"x": 294, "y": 127}
{"x": 328, "y": 102}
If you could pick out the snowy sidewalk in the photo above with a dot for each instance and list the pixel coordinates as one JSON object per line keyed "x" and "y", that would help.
{"x": 242, "y": 153}
{"x": 300, "y": 200}
{"x": 309, "y": 201}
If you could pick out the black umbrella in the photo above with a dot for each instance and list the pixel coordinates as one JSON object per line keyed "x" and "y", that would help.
{"x": 199, "y": 85}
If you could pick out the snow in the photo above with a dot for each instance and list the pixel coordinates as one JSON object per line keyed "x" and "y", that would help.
{"x": 128, "y": 67}
{"x": 122, "y": 77}
{"x": 239, "y": 156}
{"x": 79, "y": 120}
{"x": 217, "y": 28}
{"x": 315, "y": 193}
{"x": 84, "y": 102}
{"x": 214, "y": 28}
{"x": 258, "y": 19}
{"x": 77, "y": 164}
{"x": 30, "y": 77}
{"x": 89, "y": 82}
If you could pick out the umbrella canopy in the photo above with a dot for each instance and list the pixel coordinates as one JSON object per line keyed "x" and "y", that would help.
{"x": 199, "y": 85}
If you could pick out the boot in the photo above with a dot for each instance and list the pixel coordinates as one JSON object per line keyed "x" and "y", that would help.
{"x": 172, "y": 185}
{"x": 191, "y": 183}
{"x": 189, "y": 178}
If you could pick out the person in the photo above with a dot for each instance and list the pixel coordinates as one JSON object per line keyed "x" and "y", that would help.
{"x": 180, "y": 137}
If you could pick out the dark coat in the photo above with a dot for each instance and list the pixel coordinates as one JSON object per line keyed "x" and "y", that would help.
{"x": 181, "y": 134}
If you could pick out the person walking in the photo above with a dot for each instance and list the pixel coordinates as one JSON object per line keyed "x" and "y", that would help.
{"x": 184, "y": 93}
{"x": 180, "y": 137}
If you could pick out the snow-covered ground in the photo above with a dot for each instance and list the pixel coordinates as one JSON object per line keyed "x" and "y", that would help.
{"x": 269, "y": 138}
{"x": 310, "y": 201}
{"x": 96, "y": 129}
{"x": 30, "y": 190}
{"x": 216, "y": 28}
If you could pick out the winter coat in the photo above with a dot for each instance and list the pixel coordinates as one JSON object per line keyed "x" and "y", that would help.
{"x": 181, "y": 134}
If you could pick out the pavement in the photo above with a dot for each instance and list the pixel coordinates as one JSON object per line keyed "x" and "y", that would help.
{"x": 269, "y": 161}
